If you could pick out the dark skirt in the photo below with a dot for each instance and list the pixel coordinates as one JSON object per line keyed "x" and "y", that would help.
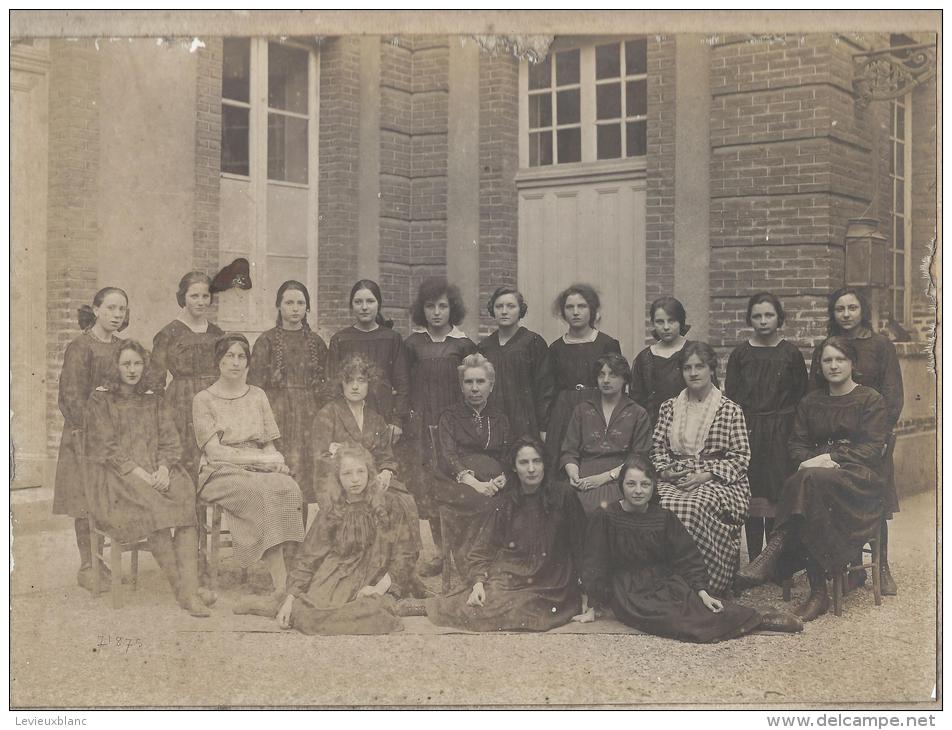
{"x": 770, "y": 463}
{"x": 559, "y": 418}
{"x": 363, "y": 616}
{"x": 294, "y": 410}
{"x": 69, "y": 492}
{"x": 600, "y": 497}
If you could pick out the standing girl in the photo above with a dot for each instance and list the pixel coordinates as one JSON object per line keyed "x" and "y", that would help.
{"x": 570, "y": 364}
{"x": 373, "y": 337}
{"x": 185, "y": 347}
{"x": 877, "y": 367}
{"x": 656, "y": 372}
{"x": 518, "y": 354}
{"x": 766, "y": 376}
{"x": 288, "y": 364}
{"x": 90, "y": 359}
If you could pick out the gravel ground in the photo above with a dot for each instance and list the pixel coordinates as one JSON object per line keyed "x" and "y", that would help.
{"x": 64, "y": 652}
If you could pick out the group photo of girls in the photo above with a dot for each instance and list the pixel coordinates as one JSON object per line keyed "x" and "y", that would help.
{"x": 496, "y": 483}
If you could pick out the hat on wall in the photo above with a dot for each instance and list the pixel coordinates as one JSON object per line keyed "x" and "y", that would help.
{"x": 236, "y": 275}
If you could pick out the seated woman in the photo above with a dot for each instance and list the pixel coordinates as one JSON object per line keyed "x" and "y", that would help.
{"x": 240, "y": 468}
{"x": 603, "y": 430}
{"x": 355, "y": 559}
{"x": 136, "y": 486}
{"x": 640, "y": 561}
{"x": 701, "y": 452}
{"x": 524, "y": 563}
{"x": 837, "y": 497}
{"x": 348, "y": 419}
{"x": 473, "y": 440}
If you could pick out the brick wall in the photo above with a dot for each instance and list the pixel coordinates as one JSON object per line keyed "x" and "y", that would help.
{"x": 72, "y": 224}
{"x": 205, "y": 238}
{"x": 337, "y": 176}
{"x": 792, "y": 159}
{"x": 498, "y": 161}
{"x": 659, "y": 199}
{"x": 924, "y": 196}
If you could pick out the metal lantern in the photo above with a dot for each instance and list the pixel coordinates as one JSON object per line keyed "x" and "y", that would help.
{"x": 866, "y": 254}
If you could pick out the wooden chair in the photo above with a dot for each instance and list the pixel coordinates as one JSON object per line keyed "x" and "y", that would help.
{"x": 100, "y": 540}
{"x": 840, "y": 580}
{"x": 210, "y": 534}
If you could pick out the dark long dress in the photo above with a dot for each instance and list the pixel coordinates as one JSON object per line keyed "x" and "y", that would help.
{"x": 520, "y": 379}
{"x": 289, "y": 366}
{"x": 351, "y": 545}
{"x": 654, "y": 379}
{"x": 335, "y": 423}
{"x": 88, "y": 362}
{"x": 877, "y": 368}
{"x": 569, "y": 372}
{"x": 835, "y": 509}
{"x": 595, "y": 446}
{"x": 767, "y": 382}
{"x": 123, "y": 432}
{"x": 384, "y": 347}
{"x": 434, "y": 387}
{"x": 528, "y": 558}
{"x": 647, "y": 568}
{"x": 190, "y": 357}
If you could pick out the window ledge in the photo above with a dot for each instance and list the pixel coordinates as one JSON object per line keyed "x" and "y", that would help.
{"x": 581, "y": 172}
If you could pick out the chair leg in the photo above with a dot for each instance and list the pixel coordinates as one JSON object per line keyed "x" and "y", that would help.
{"x": 115, "y": 555}
{"x": 135, "y": 568}
{"x": 213, "y": 556}
{"x": 838, "y": 594}
{"x": 202, "y": 514}
{"x": 877, "y": 578}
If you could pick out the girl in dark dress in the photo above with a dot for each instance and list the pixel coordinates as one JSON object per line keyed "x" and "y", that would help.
{"x": 288, "y": 364}
{"x": 524, "y": 564}
{"x": 641, "y": 562}
{"x": 655, "y": 371}
{"x": 89, "y": 361}
{"x": 185, "y": 347}
{"x": 766, "y": 376}
{"x": 877, "y": 367}
{"x": 519, "y": 355}
{"x": 836, "y": 498}
{"x": 354, "y": 560}
{"x": 135, "y": 485}
{"x": 568, "y": 370}
{"x": 372, "y": 336}
{"x": 433, "y": 356}
{"x": 603, "y": 431}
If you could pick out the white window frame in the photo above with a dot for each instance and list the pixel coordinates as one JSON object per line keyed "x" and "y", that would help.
{"x": 259, "y": 314}
{"x": 906, "y": 215}
{"x": 587, "y": 83}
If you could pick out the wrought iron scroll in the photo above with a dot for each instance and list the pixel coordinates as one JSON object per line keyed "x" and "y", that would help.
{"x": 891, "y": 72}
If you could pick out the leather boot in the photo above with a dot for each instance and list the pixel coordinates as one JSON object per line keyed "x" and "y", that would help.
{"x": 818, "y": 602}
{"x": 887, "y": 584}
{"x": 784, "y": 622}
{"x": 761, "y": 570}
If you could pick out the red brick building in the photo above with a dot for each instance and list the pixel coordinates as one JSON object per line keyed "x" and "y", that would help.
{"x": 706, "y": 167}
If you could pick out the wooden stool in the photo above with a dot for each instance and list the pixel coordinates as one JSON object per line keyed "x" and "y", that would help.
{"x": 839, "y": 580}
{"x": 100, "y": 540}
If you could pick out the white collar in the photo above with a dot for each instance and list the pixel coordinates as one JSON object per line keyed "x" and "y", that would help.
{"x": 455, "y": 332}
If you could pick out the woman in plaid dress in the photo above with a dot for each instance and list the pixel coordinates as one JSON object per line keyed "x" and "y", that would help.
{"x": 701, "y": 451}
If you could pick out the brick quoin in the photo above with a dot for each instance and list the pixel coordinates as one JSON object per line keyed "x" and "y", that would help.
{"x": 72, "y": 224}
{"x": 205, "y": 236}
{"x": 792, "y": 159}
{"x": 498, "y": 160}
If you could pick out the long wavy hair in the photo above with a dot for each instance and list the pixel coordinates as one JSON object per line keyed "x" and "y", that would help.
{"x": 113, "y": 379}
{"x": 551, "y": 495}
{"x": 348, "y": 544}
{"x": 314, "y": 367}
{"x": 432, "y": 289}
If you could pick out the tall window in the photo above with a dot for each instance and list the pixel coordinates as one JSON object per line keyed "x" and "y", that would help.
{"x": 588, "y": 103}
{"x": 899, "y": 164}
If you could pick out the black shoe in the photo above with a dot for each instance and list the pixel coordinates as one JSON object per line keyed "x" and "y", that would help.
{"x": 815, "y": 606}
{"x": 84, "y": 578}
{"x": 887, "y": 586}
{"x": 431, "y": 567}
{"x": 784, "y": 622}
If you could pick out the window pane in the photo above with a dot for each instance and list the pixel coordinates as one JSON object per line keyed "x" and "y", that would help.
{"x": 900, "y": 159}
{"x": 636, "y": 57}
{"x": 236, "y": 69}
{"x": 899, "y": 270}
{"x": 540, "y": 149}
{"x": 899, "y": 308}
{"x": 900, "y": 237}
{"x": 900, "y": 196}
{"x": 892, "y": 160}
{"x": 234, "y": 140}
{"x": 636, "y": 142}
{"x": 608, "y": 101}
{"x": 568, "y": 107}
{"x": 609, "y": 141}
{"x": 540, "y": 110}
{"x": 636, "y": 98}
{"x": 900, "y": 122}
{"x": 287, "y": 148}
{"x": 570, "y": 145}
{"x": 540, "y": 74}
{"x": 608, "y": 61}
{"x": 287, "y": 78}
{"x": 566, "y": 68}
